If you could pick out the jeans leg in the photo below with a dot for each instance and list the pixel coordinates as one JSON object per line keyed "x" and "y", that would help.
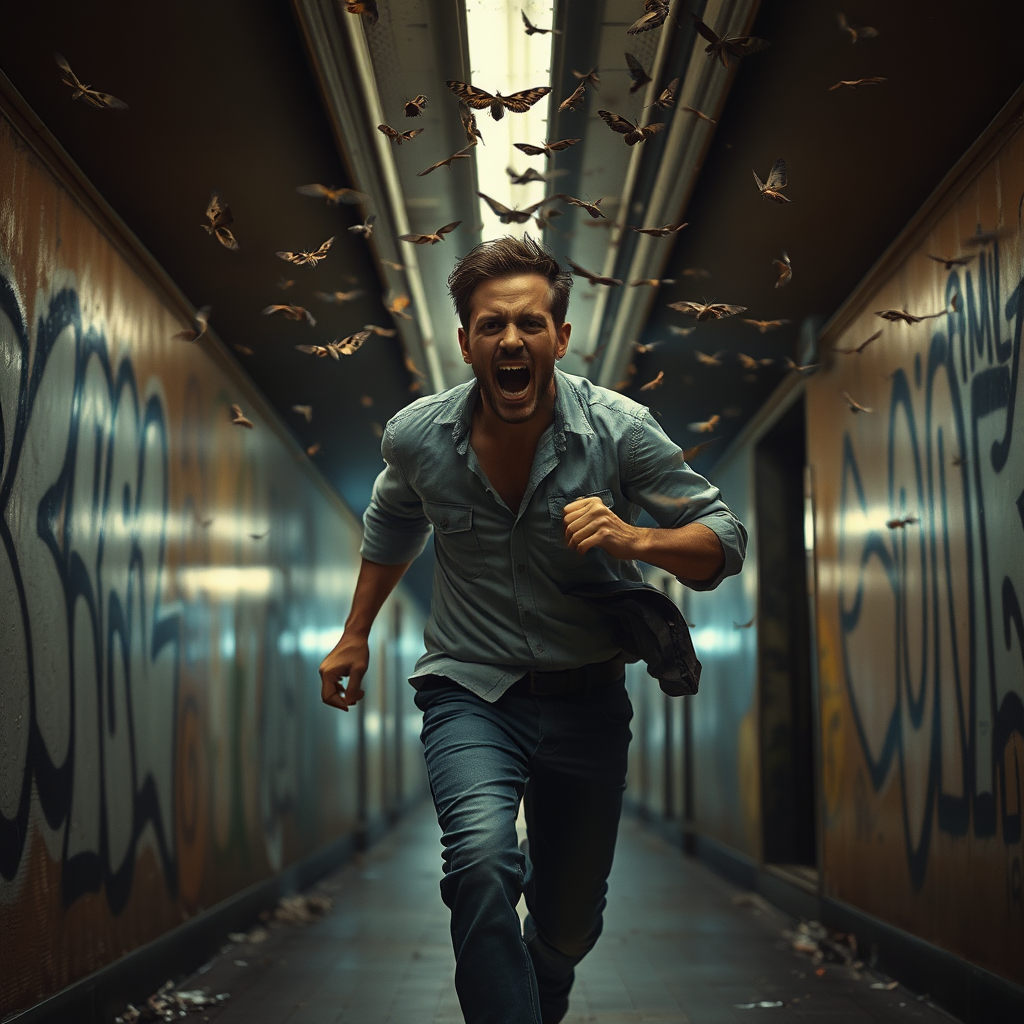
{"x": 573, "y": 803}
{"x": 477, "y": 765}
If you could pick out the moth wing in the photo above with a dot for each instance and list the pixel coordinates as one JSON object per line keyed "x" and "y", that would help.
{"x": 741, "y": 46}
{"x": 352, "y": 343}
{"x": 448, "y": 228}
{"x": 650, "y": 130}
{"x": 291, "y": 257}
{"x": 322, "y": 251}
{"x": 525, "y": 147}
{"x": 722, "y": 309}
{"x": 557, "y": 147}
{"x": 469, "y": 123}
{"x": 388, "y": 131}
{"x": 412, "y": 133}
{"x": 867, "y": 32}
{"x": 777, "y": 177}
{"x": 577, "y": 95}
{"x": 692, "y": 453}
{"x": 580, "y": 271}
{"x": 617, "y": 122}
{"x": 416, "y": 239}
{"x": 635, "y": 67}
{"x": 475, "y": 98}
{"x": 520, "y": 102}
{"x": 760, "y": 184}
{"x": 691, "y": 308}
{"x": 215, "y": 208}
{"x": 318, "y": 191}
{"x": 704, "y": 30}
{"x": 226, "y": 237}
{"x": 106, "y": 100}
{"x": 432, "y": 167}
{"x": 528, "y": 211}
{"x": 499, "y": 208}
{"x": 653, "y": 19}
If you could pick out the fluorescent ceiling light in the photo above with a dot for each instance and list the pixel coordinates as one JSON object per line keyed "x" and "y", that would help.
{"x": 503, "y": 58}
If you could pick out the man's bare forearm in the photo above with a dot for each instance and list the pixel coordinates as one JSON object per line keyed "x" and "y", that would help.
{"x": 375, "y": 583}
{"x": 691, "y": 552}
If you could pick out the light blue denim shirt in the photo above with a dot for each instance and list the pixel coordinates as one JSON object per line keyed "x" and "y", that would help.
{"x": 497, "y": 609}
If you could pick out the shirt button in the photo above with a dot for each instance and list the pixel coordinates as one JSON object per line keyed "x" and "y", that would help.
{"x": 540, "y": 647}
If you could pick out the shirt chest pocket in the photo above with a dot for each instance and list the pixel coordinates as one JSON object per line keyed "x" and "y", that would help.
{"x": 457, "y": 543}
{"x": 556, "y": 503}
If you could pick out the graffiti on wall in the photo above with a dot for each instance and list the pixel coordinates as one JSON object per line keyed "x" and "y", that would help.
{"x": 168, "y": 586}
{"x": 919, "y": 551}
{"x": 90, "y": 648}
{"x": 955, "y": 730}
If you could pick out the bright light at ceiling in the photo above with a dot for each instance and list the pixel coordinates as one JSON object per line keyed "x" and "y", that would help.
{"x": 503, "y": 58}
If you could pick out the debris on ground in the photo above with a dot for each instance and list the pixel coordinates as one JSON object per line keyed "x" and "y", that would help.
{"x": 166, "y": 1004}
{"x": 302, "y": 909}
{"x": 755, "y": 900}
{"x": 822, "y": 945}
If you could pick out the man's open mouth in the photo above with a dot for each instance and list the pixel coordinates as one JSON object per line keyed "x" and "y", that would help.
{"x": 513, "y": 380}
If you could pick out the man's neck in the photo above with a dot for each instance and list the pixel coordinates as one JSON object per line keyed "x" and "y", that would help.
{"x": 512, "y": 437}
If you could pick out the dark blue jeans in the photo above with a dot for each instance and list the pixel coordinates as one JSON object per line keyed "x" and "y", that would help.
{"x": 567, "y": 755}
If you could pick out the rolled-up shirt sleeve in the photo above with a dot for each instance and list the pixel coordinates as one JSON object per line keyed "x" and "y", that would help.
{"x": 395, "y": 530}
{"x": 664, "y": 486}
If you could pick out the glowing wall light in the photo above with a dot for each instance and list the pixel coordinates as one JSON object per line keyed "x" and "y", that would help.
{"x": 227, "y": 582}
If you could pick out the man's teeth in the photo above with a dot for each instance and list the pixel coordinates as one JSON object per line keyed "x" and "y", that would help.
{"x": 520, "y": 368}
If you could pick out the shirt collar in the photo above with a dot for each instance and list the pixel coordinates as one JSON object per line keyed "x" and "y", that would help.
{"x": 570, "y": 412}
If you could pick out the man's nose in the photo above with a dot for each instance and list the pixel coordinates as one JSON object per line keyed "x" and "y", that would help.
{"x": 511, "y": 339}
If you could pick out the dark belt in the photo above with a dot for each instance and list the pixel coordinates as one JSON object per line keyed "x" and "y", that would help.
{"x": 570, "y": 680}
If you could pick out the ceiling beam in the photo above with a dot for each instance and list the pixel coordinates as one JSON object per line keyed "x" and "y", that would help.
{"x": 336, "y": 43}
{"x": 705, "y": 87}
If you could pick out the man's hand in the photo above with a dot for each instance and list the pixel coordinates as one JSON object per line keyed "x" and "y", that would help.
{"x": 590, "y": 523}
{"x": 350, "y": 657}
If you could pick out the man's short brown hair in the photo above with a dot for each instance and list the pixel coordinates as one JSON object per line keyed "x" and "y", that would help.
{"x": 505, "y": 257}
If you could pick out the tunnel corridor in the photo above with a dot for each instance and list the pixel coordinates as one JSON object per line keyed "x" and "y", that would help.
{"x": 680, "y": 945}
{"x": 227, "y": 344}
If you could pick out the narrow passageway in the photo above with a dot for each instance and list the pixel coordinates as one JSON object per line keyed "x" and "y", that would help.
{"x": 675, "y": 950}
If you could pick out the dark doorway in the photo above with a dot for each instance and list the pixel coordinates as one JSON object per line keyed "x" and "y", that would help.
{"x": 784, "y": 647}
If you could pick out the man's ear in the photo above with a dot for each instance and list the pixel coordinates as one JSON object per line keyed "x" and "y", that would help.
{"x": 562, "y": 344}
{"x": 464, "y": 345}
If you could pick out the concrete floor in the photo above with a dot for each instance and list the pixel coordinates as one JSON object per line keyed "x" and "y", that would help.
{"x": 675, "y": 949}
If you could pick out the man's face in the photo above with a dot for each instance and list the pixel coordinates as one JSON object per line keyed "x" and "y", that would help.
{"x": 513, "y": 344}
